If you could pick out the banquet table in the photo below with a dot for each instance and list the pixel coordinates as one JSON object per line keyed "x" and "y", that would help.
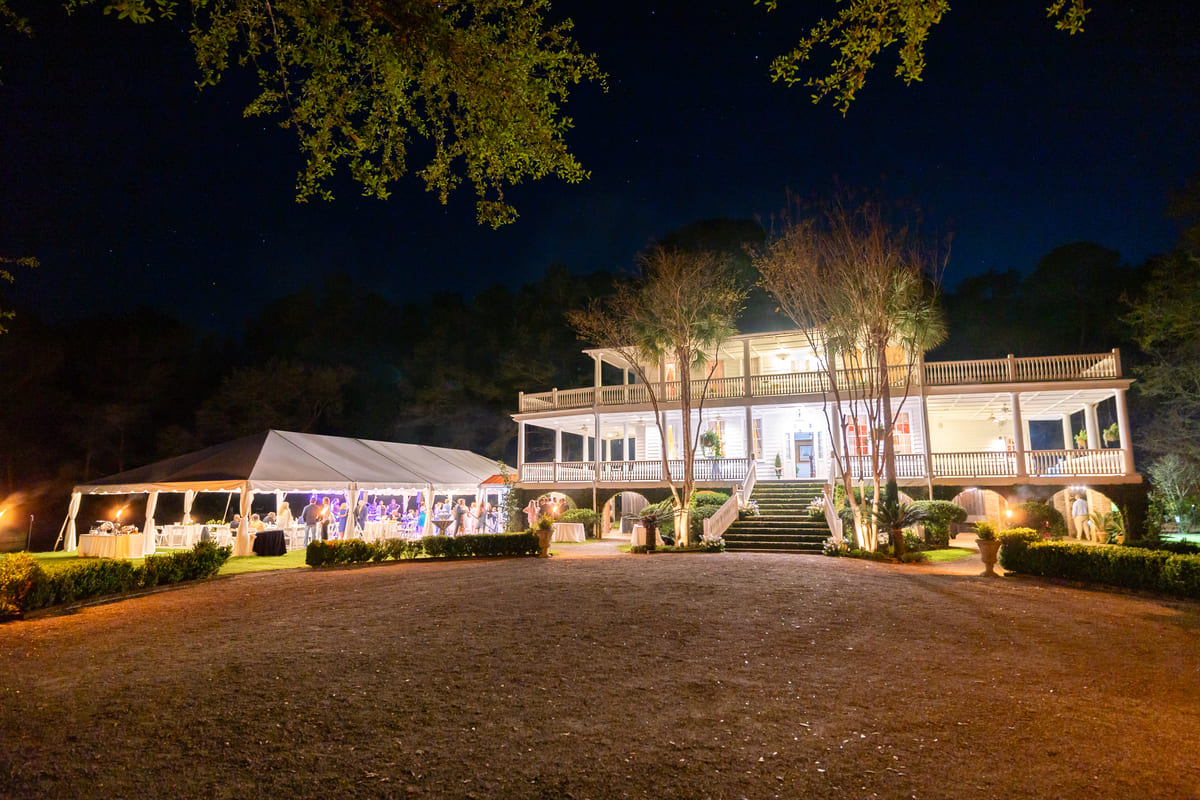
{"x": 568, "y": 532}
{"x": 379, "y": 530}
{"x": 639, "y": 535}
{"x": 270, "y": 543}
{"x": 102, "y": 546}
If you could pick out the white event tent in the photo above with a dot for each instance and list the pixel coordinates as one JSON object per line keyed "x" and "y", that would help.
{"x": 282, "y": 462}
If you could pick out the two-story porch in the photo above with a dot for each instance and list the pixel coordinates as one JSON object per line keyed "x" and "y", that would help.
{"x": 984, "y": 422}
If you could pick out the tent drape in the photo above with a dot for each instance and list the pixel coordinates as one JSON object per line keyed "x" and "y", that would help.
{"x": 72, "y": 511}
{"x": 241, "y": 547}
{"x": 189, "y": 497}
{"x": 351, "y": 510}
{"x": 148, "y": 530}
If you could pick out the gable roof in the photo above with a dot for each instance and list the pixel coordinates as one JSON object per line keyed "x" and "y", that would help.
{"x": 298, "y": 462}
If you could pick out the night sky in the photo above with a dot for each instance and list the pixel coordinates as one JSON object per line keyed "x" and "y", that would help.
{"x": 134, "y": 189}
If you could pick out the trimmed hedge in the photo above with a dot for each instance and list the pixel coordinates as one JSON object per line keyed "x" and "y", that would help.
{"x": 1128, "y": 567}
{"x": 1178, "y": 548}
{"x": 481, "y": 545}
{"x": 25, "y": 585}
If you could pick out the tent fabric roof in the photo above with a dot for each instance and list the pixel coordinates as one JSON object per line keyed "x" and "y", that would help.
{"x": 287, "y": 461}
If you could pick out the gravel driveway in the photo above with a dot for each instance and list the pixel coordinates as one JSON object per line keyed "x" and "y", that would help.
{"x": 664, "y": 676}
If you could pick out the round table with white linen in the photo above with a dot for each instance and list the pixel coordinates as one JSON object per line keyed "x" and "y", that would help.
{"x": 104, "y": 546}
{"x": 569, "y": 532}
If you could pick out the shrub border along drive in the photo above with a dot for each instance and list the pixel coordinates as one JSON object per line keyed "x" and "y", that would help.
{"x": 1024, "y": 551}
{"x": 357, "y": 551}
{"x": 25, "y": 585}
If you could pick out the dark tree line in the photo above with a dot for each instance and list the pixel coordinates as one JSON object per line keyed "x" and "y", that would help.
{"x": 91, "y": 397}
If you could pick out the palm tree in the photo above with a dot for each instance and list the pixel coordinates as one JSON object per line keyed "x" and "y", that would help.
{"x": 894, "y": 516}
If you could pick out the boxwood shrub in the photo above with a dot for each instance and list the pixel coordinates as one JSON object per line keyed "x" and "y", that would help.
{"x": 25, "y": 585}
{"x": 357, "y": 551}
{"x": 1128, "y": 567}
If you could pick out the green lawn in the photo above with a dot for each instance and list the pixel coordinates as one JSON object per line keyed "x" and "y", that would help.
{"x": 950, "y": 554}
{"x": 234, "y": 566}
{"x": 241, "y": 564}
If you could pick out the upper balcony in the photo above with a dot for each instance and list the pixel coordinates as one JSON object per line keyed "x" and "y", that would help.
{"x": 979, "y": 372}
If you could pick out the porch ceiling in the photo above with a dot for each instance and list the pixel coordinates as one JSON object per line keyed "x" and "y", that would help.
{"x": 998, "y": 405}
{"x": 611, "y": 424}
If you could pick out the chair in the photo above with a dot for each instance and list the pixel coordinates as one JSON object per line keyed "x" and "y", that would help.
{"x": 176, "y": 536}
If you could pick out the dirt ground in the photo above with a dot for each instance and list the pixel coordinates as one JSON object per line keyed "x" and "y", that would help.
{"x": 665, "y": 676}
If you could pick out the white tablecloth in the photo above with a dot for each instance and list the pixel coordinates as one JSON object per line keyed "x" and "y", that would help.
{"x": 639, "y": 535}
{"x": 569, "y": 532}
{"x": 111, "y": 546}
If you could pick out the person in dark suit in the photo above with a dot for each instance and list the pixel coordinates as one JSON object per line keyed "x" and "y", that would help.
{"x": 311, "y": 515}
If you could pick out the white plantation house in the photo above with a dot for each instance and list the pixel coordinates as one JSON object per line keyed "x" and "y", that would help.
{"x": 984, "y": 423}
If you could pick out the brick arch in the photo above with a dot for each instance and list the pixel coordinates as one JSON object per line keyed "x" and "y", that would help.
{"x": 982, "y": 505}
{"x": 607, "y": 511}
{"x": 1098, "y": 503}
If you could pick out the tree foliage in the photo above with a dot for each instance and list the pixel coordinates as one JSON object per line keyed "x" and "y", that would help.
{"x": 1165, "y": 319}
{"x": 472, "y": 88}
{"x": 8, "y": 277}
{"x": 862, "y": 30}
{"x": 681, "y": 308}
{"x": 863, "y": 290}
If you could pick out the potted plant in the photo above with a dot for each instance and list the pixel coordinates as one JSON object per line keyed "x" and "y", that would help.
{"x": 778, "y": 466}
{"x": 544, "y": 528}
{"x": 1081, "y": 440}
{"x": 989, "y": 546}
{"x": 710, "y": 441}
{"x": 650, "y": 523}
{"x": 1112, "y": 434}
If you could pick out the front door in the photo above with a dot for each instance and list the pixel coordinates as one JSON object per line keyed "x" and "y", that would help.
{"x": 802, "y": 444}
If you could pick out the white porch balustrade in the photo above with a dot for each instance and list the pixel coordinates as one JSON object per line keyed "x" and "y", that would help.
{"x": 967, "y": 466}
{"x": 723, "y": 470}
{"x": 1041, "y": 369}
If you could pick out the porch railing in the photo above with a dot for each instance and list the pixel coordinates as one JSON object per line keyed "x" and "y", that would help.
{"x": 1092, "y": 366}
{"x": 966, "y": 465}
{"x": 704, "y": 470}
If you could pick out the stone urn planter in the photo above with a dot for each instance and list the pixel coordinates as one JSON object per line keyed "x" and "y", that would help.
{"x": 989, "y": 549}
{"x": 545, "y": 532}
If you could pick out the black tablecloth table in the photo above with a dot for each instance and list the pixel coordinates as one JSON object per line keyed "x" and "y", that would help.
{"x": 270, "y": 543}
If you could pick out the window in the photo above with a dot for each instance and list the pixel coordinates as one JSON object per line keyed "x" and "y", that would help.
{"x": 902, "y": 433}
{"x": 858, "y": 434}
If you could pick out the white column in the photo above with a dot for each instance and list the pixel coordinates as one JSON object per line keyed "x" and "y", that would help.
{"x": 625, "y": 441}
{"x": 746, "y": 373}
{"x": 520, "y": 447}
{"x": 926, "y": 439}
{"x": 428, "y": 497}
{"x": 1123, "y": 428}
{"x": 1091, "y": 426}
{"x": 1018, "y": 433}
{"x": 596, "y": 448}
{"x": 750, "y": 454}
{"x": 1068, "y": 441}
{"x": 598, "y": 376}
{"x": 558, "y": 445}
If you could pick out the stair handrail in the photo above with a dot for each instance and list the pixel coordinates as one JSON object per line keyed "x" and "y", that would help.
{"x": 727, "y": 514}
{"x": 831, "y": 516}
